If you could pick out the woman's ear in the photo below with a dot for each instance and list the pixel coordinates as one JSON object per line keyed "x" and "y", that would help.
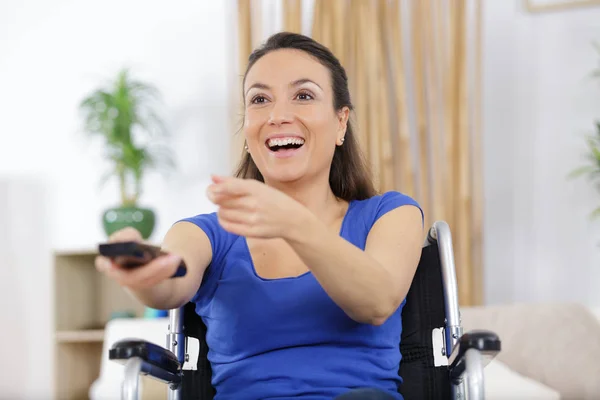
{"x": 342, "y": 116}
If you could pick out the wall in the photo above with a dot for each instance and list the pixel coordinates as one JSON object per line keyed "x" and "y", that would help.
{"x": 25, "y": 343}
{"x": 538, "y": 104}
{"x": 54, "y": 53}
{"x": 51, "y": 55}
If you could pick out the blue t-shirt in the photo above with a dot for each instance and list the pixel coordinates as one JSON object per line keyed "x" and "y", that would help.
{"x": 286, "y": 338}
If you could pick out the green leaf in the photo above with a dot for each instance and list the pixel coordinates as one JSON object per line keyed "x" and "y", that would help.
{"x": 596, "y": 153}
{"x": 595, "y": 214}
{"x": 105, "y": 178}
{"x": 587, "y": 169}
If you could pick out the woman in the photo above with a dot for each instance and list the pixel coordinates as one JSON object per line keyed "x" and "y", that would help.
{"x": 301, "y": 275}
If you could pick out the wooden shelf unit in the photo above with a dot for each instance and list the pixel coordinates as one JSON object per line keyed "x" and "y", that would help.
{"x": 84, "y": 300}
{"x": 80, "y": 336}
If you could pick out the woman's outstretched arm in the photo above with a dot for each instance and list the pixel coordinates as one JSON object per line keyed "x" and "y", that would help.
{"x": 368, "y": 285}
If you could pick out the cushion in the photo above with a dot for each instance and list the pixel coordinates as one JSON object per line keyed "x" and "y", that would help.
{"x": 556, "y": 344}
{"x": 502, "y": 383}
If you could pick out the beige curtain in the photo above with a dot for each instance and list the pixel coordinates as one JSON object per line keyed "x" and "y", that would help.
{"x": 414, "y": 71}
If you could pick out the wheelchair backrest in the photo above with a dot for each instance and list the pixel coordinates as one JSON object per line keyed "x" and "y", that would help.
{"x": 423, "y": 313}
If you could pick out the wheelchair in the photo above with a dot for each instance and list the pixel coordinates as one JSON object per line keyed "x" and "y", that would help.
{"x": 439, "y": 361}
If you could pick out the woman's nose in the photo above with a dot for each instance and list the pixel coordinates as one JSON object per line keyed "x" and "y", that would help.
{"x": 280, "y": 113}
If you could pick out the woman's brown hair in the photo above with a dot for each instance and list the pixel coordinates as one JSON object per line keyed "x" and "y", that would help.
{"x": 349, "y": 178}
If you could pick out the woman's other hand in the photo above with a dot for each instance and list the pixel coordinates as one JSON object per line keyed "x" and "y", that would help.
{"x": 250, "y": 208}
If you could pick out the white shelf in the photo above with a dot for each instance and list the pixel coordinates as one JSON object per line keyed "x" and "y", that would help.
{"x": 80, "y": 336}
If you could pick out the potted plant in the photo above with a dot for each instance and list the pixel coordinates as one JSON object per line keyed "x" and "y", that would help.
{"x": 123, "y": 114}
{"x": 592, "y": 168}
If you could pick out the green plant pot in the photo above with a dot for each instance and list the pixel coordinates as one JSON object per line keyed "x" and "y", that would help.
{"x": 142, "y": 219}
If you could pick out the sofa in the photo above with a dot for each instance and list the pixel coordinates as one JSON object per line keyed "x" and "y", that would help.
{"x": 549, "y": 351}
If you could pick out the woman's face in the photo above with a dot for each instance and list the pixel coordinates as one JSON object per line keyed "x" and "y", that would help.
{"x": 290, "y": 125}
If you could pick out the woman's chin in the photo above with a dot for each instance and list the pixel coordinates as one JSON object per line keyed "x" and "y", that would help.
{"x": 283, "y": 176}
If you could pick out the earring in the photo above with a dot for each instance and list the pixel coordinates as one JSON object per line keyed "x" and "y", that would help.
{"x": 246, "y": 148}
{"x": 342, "y": 141}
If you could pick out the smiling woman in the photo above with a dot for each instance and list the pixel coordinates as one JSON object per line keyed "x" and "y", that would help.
{"x": 302, "y": 273}
{"x": 285, "y": 100}
{"x": 315, "y": 86}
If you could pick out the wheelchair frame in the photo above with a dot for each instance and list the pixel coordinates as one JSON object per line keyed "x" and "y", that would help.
{"x": 466, "y": 354}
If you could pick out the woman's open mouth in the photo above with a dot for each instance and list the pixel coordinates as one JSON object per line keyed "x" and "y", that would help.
{"x": 284, "y": 146}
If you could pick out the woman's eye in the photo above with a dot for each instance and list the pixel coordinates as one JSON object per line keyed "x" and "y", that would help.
{"x": 304, "y": 96}
{"x": 258, "y": 99}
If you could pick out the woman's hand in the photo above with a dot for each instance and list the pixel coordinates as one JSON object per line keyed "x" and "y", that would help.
{"x": 142, "y": 277}
{"x": 250, "y": 208}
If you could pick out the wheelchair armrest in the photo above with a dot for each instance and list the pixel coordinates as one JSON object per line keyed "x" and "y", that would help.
{"x": 152, "y": 354}
{"x": 487, "y": 343}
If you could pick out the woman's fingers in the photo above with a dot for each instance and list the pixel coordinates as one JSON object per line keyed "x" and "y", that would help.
{"x": 102, "y": 263}
{"x": 220, "y": 198}
{"x": 154, "y": 272}
{"x": 127, "y": 234}
{"x": 238, "y": 216}
{"x": 223, "y": 188}
{"x": 147, "y": 275}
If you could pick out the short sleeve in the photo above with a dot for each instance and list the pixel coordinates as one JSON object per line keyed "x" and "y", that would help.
{"x": 392, "y": 200}
{"x": 220, "y": 241}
